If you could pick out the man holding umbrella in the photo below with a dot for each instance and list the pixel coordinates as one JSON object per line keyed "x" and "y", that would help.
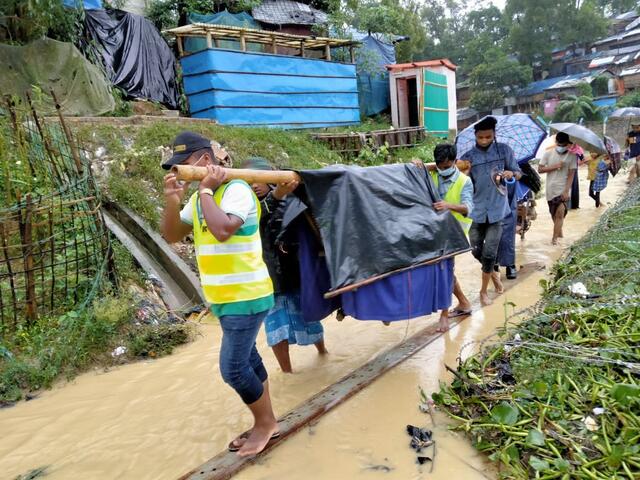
{"x": 560, "y": 166}
{"x": 491, "y": 163}
{"x": 633, "y": 144}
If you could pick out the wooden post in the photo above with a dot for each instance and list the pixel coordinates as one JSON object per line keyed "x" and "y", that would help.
{"x": 274, "y": 45}
{"x": 352, "y": 54}
{"x": 243, "y": 43}
{"x": 327, "y": 51}
{"x": 27, "y": 256}
{"x": 7, "y": 259}
{"x": 216, "y": 42}
{"x": 180, "y": 49}
{"x": 72, "y": 145}
{"x": 302, "y": 48}
{"x": 209, "y": 42}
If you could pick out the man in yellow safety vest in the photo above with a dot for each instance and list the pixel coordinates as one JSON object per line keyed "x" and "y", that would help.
{"x": 224, "y": 217}
{"x": 456, "y": 193}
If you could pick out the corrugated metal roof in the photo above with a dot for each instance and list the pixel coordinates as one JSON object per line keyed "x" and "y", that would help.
{"x": 599, "y": 62}
{"x": 466, "y": 113}
{"x": 622, "y": 59}
{"x": 288, "y": 12}
{"x": 587, "y": 77}
{"x": 584, "y": 58}
{"x": 634, "y": 24}
{"x": 630, "y": 71}
{"x": 540, "y": 86}
{"x": 631, "y": 14}
{"x": 623, "y": 50}
{"x": 620, "y": 36}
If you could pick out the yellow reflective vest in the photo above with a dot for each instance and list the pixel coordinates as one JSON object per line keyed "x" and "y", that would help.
{"x": 231, "y": 271}
{"x": 454, "y": 195}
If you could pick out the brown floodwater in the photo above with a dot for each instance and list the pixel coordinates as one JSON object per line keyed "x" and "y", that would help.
{"x": 158, "y": 419}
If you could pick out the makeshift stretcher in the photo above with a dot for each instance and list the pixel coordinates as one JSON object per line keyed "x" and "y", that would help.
{"x": 371, "y": 242}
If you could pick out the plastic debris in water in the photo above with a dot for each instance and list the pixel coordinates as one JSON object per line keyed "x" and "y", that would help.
{"x": 421, "y": 434}
{"x": 423, "y": 460}
{"x": 598, "y": 411}
{"x": 118, "y": 351}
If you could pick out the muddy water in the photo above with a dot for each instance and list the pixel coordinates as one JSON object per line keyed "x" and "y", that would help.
{"x": 158, "y": 419}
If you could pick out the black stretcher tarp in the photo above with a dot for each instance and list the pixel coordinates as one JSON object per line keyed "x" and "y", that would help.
{"x": 376, "y": 220}
{"x": 136, "y": 58}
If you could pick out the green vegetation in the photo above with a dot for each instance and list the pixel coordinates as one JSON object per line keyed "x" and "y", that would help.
{"x": 77, "y": 317}
{"x": 559, "y": 395}
{"x": 573, "y": 108}
{"x": 495, "y": 78}
{"x": 135, "y": 178}
{"x": 629, "y": 100}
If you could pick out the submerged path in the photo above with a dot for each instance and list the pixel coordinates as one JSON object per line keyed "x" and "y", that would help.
{"x": 160, "y": 419}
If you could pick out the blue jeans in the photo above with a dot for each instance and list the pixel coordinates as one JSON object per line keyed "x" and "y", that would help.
{"x": 240, "y": 363}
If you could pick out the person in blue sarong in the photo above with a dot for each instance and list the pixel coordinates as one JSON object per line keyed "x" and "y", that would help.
{"x": 285, "y": 323}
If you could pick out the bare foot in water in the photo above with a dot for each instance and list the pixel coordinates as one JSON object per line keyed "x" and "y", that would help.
{"x": 484, "y": 299}
{"x": 258, "y": 439}
{"x": 497, "y": 283}
{"x": 444, "y": 324}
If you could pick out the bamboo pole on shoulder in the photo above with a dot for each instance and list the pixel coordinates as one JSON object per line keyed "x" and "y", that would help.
{"x": 190, "y": 173}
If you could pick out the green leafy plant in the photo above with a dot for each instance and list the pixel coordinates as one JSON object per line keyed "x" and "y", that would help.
{"x": 574, "y": 108}
{"x": 558, "y": 395}
{"x": 27, "y": 21}
{"x": 630, "y": 100}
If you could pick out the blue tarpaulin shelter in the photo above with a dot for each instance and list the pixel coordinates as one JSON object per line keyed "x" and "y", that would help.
{"x": 242, "y": 19}
{"x": 250, "y": 88}
{"x": 373, "y": 78}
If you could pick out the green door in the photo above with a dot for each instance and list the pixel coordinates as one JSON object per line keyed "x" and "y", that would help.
{"x": 436, "y": 104}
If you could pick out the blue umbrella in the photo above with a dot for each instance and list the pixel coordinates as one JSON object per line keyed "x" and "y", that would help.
{"x": 520, "y": 131}
{"x": 626, "y": 112}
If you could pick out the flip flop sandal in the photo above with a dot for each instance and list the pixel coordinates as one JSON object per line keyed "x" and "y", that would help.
{"x": 459, "y": 313}
{"x": 232, "y": 447}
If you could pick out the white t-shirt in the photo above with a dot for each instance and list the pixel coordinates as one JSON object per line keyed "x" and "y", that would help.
{"x": 237, "y": 200}
{"x": 556, "y": 180}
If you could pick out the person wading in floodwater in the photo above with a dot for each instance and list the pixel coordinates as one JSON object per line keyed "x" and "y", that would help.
{"x": 224, "y": 217}
{"x": 489, "y": 159}
{"x": 560, "y": 165}
{"x": 456, "y": 196}
{"x": 285, "y": 323}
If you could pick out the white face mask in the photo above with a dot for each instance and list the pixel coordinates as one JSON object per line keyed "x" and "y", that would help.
{"x": 447, "y": 172}
{"x": 561, "y": 150}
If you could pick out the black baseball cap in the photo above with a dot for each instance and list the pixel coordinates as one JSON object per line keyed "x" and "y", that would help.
{"x": 487, "y": 123}
{"x": 185, "y": 144}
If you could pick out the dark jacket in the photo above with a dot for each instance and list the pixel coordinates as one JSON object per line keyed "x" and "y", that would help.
{"x": 279, "y": 249}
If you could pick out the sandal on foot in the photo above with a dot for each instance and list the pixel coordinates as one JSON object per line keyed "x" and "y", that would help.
{"x": 232, "y": 447}
{"x": 459, "y": 313}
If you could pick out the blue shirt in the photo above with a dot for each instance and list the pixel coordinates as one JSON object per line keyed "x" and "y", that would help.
{"x": 634, "y": 144}
{"x": 466, "y": 196}
{"x": 489, "y": 206}
{"x": 602, "y": 177}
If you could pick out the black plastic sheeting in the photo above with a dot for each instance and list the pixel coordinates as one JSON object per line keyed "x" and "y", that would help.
{"x": 377, "y": 220}
{"x": 135, "y": 56}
